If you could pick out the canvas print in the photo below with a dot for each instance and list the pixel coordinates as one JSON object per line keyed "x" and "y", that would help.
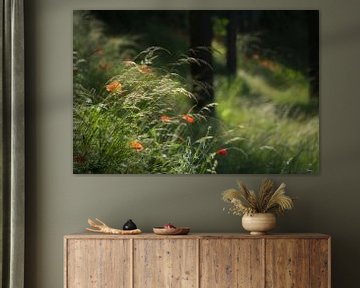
{"x": 196, "y": 92}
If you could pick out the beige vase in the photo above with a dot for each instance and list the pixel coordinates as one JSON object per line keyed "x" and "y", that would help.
{"x": 259, "y": 223}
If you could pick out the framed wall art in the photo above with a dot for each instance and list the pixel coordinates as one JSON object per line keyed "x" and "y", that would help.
{"x": 196, "y": 92}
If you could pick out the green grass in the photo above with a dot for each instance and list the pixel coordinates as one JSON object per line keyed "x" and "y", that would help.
{"x": 267, "y": 108}
{"x": 265, "y": 119}
{"x": 271, "y": 140}
{"x": 133, "y": 125}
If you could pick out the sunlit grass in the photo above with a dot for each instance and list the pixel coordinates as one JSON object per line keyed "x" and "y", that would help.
{"x": 295, "y": 94}
{"x": 267, "y": 108}
{"x": 271, "y": 141}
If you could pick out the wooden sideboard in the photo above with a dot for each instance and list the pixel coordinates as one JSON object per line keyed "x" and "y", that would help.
{"x": 197, "y": 261}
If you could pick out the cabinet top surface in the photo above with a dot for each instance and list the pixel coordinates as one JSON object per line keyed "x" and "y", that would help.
{"x": 87, "y": 235}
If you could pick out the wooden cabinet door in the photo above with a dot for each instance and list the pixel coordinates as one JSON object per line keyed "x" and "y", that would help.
{"x": 231, "y": 263}
{"x": 320, "y": 263}
{"x": 296, "y": 263}
{"x": 98, "y": 263}
{"x": 165, "y": 263}
{"x": 287, "y": 263}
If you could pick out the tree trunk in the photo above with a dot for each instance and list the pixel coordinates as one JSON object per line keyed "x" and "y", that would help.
{"x": 313, "y": 40}
{"x": 201, "y": 35}
{"x": 231, "y": 33}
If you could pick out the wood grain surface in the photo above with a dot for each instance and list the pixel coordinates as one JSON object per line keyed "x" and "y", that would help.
{"x": 165, "y": 263}
{"x": 319, "y": 263}
{"x": 231, "y": 263}
{"x": 197, "y": 261}
{"x": 98, "y": 264}
{"x": 88, "y": 235}
{"x": 287, "y": 263}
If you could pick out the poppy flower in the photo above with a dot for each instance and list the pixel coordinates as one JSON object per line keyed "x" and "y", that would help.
{"x": 114, "y": 86}
{"x": 136, "y": 145}
{"x": 165, "y": 118}
{"x": 188, "y": 118}
{"x": 222, "y": 152}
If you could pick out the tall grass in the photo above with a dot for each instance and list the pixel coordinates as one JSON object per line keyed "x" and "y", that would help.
{"x": 133, "y": 114}
{"x": 132, "y": 117}
{"x": 132, "y": 124}
{"x": 276, "y": 122}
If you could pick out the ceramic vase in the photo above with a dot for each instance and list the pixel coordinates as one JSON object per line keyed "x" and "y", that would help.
{"x": 259, "y": 223}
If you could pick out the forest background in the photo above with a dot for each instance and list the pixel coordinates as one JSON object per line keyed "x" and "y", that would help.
{"x": 193, "y": 92}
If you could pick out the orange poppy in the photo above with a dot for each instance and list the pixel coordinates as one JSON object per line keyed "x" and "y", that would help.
{"x": 188, "y": 118}
{"x": 136, "y": 145}
{"x": 165, "y": 118}
{"x": 114, "y": 86}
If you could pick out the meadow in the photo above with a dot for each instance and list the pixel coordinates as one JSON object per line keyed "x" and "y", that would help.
{"x": 133, "y": 110}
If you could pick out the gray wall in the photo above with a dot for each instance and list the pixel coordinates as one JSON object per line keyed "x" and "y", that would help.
{"x": 59, "y": 203}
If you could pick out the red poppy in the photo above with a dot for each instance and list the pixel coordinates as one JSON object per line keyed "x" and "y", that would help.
{"x": 222, "y": 152}
{"x": 188, "y": 118}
